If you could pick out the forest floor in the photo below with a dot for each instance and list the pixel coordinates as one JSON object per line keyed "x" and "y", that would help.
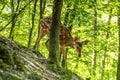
{"x": 18, "y": 62}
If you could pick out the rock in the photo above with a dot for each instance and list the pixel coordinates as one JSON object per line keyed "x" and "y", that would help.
{"x": 18, "y": 62}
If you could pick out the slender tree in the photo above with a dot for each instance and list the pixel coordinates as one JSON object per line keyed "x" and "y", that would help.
{"x": 95, "y": 35}
{"x": 118, "y": 67}
{"x": 31, "y": 28}
{"x": 106, "y": 46}
{"x": 54, "y": 32}
{"x": 17, "y": 14}
{"x": 14, "y": 14}
{"x": 67, "y": 14}
{"x": 42, "y": 9}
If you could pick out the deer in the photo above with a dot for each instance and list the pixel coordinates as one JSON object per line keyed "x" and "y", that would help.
{"x": 65, "y": 38}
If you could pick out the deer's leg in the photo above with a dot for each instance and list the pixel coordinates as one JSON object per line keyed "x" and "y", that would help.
{"x": 64, "y": 64}
{"x": 40, "y": 36}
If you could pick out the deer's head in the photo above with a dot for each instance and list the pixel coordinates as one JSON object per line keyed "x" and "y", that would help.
{"x": 78, "y": 46}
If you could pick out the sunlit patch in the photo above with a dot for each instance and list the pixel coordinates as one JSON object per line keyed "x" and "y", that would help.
{"x": 114, "y": 19}
{"x": 105, "y": 17}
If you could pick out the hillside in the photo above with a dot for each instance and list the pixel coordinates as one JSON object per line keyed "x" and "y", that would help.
{"x": 18, "y": 62}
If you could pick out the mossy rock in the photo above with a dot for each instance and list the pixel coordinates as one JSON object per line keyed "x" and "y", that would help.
{"x": 21, "y": 63}
{"x": 9, "y": 58}
{"x": 35, "y": 77}
{"x": 6, "y": 55}
{"x": 11, "y": 76}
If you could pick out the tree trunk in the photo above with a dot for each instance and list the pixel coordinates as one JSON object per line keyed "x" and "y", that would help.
{"x": 54, "y": 32}
{"x": 31, "y": 28}
{"x": 42, "y": 8}
{"x": 14, "y": 14}
{"x": 95, "y": 35}
{"x": 118, "y": 67}
{"x": 104, "y": 55}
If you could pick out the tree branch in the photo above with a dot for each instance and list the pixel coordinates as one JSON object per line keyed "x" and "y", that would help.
{"x": 20, "y": 11}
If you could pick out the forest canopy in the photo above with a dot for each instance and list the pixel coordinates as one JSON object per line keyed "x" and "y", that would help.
{"x": 95, "y": 20}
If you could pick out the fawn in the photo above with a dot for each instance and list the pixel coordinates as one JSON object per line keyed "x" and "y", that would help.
{"x": 65, "y": 38}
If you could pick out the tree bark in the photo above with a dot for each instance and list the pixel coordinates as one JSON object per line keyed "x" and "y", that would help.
{"x": 54, "y": 32}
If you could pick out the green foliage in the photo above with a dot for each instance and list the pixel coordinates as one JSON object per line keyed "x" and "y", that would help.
{"x": 82, "y": 27}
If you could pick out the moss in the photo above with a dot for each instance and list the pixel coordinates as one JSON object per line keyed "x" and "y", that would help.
{"x": 13, "y": 66}
{"x": 1, "y": 61}
{"x": 34, "y": 77}
{"x": 65, "y": 74}
{"x": 11, "y": 76}
{"x": 3, "y": 65}
{"x": 1, "y": 72}
{"x": 6, "y": 55}
{"x": 14, "y": 77}
{"x": 0, "y": 78}
{"x": 19, "y": 64}
{"x": 9, "y": 58}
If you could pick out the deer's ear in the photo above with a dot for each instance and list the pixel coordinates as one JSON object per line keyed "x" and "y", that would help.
{"x": 75, "y": 38}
